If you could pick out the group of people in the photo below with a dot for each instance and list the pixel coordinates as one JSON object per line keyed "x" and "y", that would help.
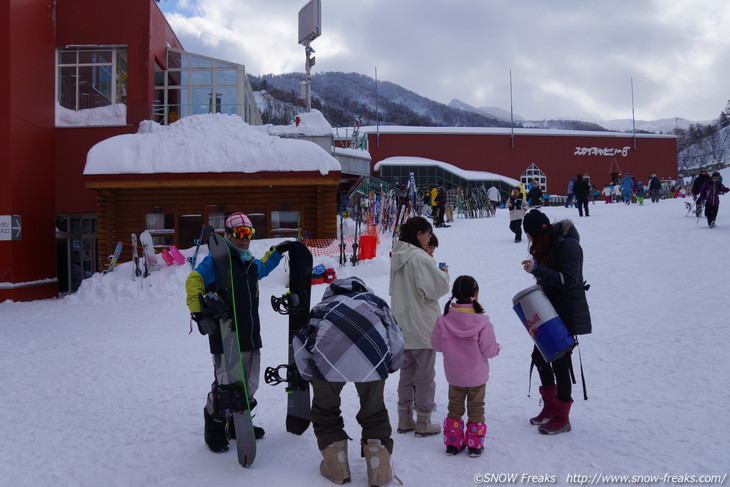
{"x": 441, "y": 203}
{"x": 353, "y": 335}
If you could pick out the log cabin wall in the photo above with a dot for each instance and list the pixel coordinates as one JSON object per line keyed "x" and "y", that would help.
{"x": 124, "y": 207}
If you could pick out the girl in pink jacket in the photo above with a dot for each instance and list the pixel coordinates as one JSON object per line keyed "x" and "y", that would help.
{"x": 466, "y": 338}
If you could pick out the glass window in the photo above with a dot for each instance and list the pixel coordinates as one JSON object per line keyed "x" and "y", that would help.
{"x": 201, "y": 77}
{"x": 223, "y": 65}
{"x": 90, "y": 78}
{"x": 284, "y": 220}
{"x": 201, "y": 62}
{"x": 226, "y": 77}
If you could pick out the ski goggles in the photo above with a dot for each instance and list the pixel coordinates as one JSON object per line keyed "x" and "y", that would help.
{"x": 242, "y": 232}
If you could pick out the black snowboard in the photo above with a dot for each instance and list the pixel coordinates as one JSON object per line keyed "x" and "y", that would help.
{"x": 296, "y": 304}
{"x": 228, "y": 365}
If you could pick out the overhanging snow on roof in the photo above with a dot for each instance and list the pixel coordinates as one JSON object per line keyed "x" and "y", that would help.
{"x": 456, "y": 171}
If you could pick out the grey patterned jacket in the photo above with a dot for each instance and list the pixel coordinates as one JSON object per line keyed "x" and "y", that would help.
{"x": 351, "y": 336}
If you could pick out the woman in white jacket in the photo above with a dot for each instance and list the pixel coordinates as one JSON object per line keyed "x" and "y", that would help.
{"x": 416, "y": 284}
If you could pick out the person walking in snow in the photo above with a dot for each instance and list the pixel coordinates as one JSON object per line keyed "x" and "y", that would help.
{"x": 517, "y": 206}
{"x": 557, "y": 264}
{"x": 494, "y": 199}
{"x": 534, "y": 196}
{"x": 466, "y": 339}
{"x": 640, "y": 192}
{"x": 351, "y": 336}
{"x": 607, "y": 193}
{"x": 571, "y": 194}
{"x": 416, "y": 284}
{"x": 582, "y": 190}
{"x": 698, "y": 182}
{"x": 246, "y": 272}
{"x": 710, "y": 192}
{"x": 627, "y": 185}
{"x": 655, "y": 188}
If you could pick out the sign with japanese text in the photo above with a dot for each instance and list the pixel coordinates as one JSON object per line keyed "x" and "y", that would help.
{"x": 11, "y": 227}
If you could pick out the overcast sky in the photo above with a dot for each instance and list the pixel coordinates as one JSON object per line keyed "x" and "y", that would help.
{"x": 569, "y": 58}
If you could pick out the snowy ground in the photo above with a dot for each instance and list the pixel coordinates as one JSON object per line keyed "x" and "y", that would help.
{"x": 106, "y": 387}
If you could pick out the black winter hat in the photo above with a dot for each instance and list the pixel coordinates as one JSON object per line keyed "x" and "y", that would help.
{"x": 536, "y": 222}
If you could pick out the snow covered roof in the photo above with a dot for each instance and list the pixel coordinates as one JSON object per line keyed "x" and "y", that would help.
{"x": 399, "y": 129}
{"x": 311, "y": 124}
{"x": 209, "y": 143}
{"x": 462, "y": 173}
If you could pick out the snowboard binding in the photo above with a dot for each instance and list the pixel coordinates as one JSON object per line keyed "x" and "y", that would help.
{"x": 293, "y": 379}
{"x": 289, "y": 303}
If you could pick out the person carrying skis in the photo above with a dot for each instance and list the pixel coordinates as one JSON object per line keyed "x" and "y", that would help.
{"x": 351, "y": 336}
{"x": 466, "y": 339}
{"x": 246, "y": 272}
{"x": 557, "y": 264}
{"x": 710, "y": 192}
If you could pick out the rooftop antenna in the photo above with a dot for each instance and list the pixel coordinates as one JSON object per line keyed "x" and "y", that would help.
{"x": 310, "y": 27}
{"x": 377, "y": 112}
{"x": 511, "y": 111}
{"x": 633, "y": 117}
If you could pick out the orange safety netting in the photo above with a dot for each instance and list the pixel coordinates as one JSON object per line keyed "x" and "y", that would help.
{"x": 331, "y": 246}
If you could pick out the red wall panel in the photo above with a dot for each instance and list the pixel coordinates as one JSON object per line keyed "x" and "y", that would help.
{"x": 559, "y": 156}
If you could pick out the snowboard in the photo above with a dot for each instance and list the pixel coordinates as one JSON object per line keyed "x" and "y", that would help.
{"x": 295, "y": 303}
{"x": 145, "y": 239}
{"x": 136, "y": 269}
{"x": 229, "y": 366}
{"x": 114, "y": 257}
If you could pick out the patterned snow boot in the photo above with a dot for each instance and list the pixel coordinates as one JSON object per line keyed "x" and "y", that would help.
{"x": 549, "y": 396}
{"x": 424, "y": 426}
{"x": 215, "y": 433}
{"x": 405, "y": 419}
{"x": 474, "y": 438}
{"x": 454, "y": 435}
{"x": 335, "y": 466}
{"x": 377, "y": 458}
{"x": 559, "y": 423}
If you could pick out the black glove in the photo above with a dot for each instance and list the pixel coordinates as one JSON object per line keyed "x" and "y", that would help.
{"x": 285, "y": 246}
{"x": 206, "y": 324}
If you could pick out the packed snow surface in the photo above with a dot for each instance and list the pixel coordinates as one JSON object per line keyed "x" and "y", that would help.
{"x": 107, "y": 386}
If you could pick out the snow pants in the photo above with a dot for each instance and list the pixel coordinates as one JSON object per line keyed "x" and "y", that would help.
{"x": 417, "y": 384}
{"x": 582, "y": 205}
{"x": 372, "y": 417}
{"x": 474, "y": 398}
{"x": 711, "y": 212}
{"x": 252, "y": 370}
{"x": 516, "y": 227}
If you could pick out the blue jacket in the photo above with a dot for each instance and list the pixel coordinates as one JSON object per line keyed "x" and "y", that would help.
{"x": 627, "y": 183}
{"x": 245, "y": 277}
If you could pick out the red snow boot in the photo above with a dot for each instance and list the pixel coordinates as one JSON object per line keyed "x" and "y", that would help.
{"x": 559, "y": 423}
{"x": 549, "y": 396}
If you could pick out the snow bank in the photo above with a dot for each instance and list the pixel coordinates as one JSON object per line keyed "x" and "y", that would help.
{"x": 91, "y": 117}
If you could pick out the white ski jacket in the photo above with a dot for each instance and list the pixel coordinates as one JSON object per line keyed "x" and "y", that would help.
{"x": 416, "y": 284}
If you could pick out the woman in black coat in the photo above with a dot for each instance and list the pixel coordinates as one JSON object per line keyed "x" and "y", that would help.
{"x": 557, "y": 264}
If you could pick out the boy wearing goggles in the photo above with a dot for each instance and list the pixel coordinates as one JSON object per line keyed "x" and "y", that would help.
{"x": 246, "y": 271}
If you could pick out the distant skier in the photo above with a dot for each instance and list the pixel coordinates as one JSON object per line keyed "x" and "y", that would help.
{"x": 246, "y": 272}
{"x": 627, "y": 186}
{"x": 582, "y": 190}
{"x": 517, "y": 206}
{"x": 710, "y": 192}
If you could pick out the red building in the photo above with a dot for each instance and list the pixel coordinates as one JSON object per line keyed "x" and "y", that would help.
{"x": 68, "y": 59}
{"x": 550, "y": 157}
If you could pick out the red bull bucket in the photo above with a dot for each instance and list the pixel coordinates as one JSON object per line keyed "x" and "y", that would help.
{"x": 542, "y": 323}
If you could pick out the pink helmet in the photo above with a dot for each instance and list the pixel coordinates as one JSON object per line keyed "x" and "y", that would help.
{"x": 237, "y": 220}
